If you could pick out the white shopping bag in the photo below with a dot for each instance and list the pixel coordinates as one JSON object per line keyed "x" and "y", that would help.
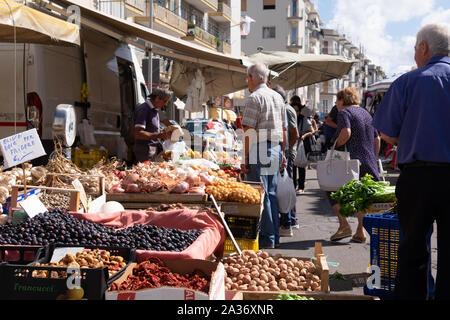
{"x": 301, "y": 160}
{"x": 286, "y": 195}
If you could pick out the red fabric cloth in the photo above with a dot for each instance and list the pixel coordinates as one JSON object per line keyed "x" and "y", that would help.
{"x": 211, "y": 241}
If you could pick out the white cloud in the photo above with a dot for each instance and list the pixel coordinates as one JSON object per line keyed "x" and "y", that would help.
{"x": 365, "y": 22}
{"x": 439, "y": 16}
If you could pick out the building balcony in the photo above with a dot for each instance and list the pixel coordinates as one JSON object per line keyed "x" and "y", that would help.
{"x": 223, "y": 13}
{"x": 165, "y": 18}
{"x": 293, "y": 15}
{"x": 204, "y": 5}
{"x": 138, "y": 6}
{"x": 224, "y": 47}
{"x": 329, "y": 90}
{"x": 203, "y": 37}
{"x": 294, "y": 43}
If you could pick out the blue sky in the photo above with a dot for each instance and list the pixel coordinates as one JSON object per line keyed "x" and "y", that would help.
{"x": 386, "y": 28}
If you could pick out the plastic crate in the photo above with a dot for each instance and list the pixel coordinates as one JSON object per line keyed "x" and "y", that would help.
{"x": 22, "y": 283}
{"x": 20, "y": 254}
{"x": 243, "y": 227}
{"x": 128, "y": 254}
{"x": 86, "y": 159}
{"x": 385, "y": 237}
{"x": 244, "y": 244}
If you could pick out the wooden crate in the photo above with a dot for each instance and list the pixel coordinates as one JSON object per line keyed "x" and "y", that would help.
{"x": 101, "y": 179}
{"x": 145, "y": 200}
{"x": 247, "y": 295}
{"x": 321, "y": 263}
{"x": 74, "y": 195}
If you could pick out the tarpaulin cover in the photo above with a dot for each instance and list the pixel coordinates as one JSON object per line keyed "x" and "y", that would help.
{"x": 211, "y": 241}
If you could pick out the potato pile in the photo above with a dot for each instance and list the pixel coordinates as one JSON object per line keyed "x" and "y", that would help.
{"x": 258, "y": 271}
{"x": 232, "y": 191}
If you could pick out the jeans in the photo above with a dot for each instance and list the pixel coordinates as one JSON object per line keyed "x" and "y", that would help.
{"x": 266, "y": 170}
{"x": 421, "y": 201}
{"x": 289, "y": 219}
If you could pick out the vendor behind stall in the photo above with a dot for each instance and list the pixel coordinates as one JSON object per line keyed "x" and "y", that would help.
{"x": 147, "y": 133}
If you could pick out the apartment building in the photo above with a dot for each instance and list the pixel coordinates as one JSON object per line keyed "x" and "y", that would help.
{"x": 361, "y": 75}
{"x": 285, "y": 25}
{"x": 214, "y": 24}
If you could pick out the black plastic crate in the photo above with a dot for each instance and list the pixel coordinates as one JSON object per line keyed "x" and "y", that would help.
{"x": 128, "y": 254}
{"x": 243, "y": 227}
{"x": 22, "y": 282}
{"x": 18, "y": 254}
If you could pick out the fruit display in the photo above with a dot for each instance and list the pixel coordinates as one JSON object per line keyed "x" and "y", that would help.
{"x": 233, "y": 191}
{"x": 86, "y": 259}
{"x": 166, "y": 177}
{"x": 258, "y": 271}
{"x": 153, "y": 274}
{"x": 60, "y": 227}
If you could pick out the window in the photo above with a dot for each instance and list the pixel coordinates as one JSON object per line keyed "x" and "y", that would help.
{"x": 294, "y": 38}
{"x": 268, "y": 32}
{"x": 243, "y": 5}
{"x": 268, "y": 4}
{"x": 294, "y": 8}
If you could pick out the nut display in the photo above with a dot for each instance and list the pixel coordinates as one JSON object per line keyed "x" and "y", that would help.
{"x": 86, "y": 259}
{"x": 224, "y": 190}
{"x": 258, "y": 271}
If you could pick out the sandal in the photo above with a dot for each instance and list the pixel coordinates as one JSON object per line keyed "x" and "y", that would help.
{"x": 339, "y": 235}
{"x": 359, "y": 239}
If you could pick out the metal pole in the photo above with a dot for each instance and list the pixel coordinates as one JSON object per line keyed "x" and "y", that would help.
{"x": 150, "y": 57}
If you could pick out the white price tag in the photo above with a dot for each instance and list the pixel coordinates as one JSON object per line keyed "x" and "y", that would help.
{"x": 33, "y": 206}
{"x": 60, "y": 253}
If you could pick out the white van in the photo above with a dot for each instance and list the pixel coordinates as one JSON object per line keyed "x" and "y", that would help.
{"x": 111, "y": 70}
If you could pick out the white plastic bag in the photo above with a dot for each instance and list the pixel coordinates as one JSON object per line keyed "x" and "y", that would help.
{"x": 286, "y": 195}
{"x": 177, "y": 148}
{"x": 301, "y": 160}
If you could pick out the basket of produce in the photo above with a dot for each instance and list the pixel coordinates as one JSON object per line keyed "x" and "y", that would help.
{"x": 156, "y": 279}
{"x": 259, "y": 271}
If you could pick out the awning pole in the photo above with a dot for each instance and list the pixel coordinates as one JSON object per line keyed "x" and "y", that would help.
{"x": 150, "y": 57}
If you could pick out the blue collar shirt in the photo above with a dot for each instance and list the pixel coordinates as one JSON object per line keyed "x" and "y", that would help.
{"x": 416, "y": 109}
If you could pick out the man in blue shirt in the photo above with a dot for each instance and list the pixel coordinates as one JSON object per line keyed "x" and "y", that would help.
{"x": 414, "y": 115}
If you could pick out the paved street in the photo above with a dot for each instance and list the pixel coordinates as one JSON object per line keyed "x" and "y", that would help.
{"x": 318, "y": 222}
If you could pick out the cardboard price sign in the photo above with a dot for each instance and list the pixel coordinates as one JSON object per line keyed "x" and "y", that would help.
{"x": 20, "y": 148}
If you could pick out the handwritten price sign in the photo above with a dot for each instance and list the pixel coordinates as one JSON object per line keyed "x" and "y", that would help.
{"x": 20, "y": 148}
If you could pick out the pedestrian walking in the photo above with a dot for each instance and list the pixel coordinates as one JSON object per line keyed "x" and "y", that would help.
{"x": 263, "y": 122}
{"x": 305, "y": 130}
{"x": 356, "y": 132}
{"x": 414, "y": 115}
{"x": 289, "y": 220}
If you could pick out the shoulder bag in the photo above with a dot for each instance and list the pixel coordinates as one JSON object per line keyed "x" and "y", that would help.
{"x": 333, "y": 173}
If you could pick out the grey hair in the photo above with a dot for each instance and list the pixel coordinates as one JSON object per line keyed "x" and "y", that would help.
{"x": 437, "y": 38}
{"x": 279, "y": 89}
{"x": 258, "y": 72}
{"x": 161, "y": 93}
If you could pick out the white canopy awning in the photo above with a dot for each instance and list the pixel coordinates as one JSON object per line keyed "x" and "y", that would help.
{"x": 23, "y": 24}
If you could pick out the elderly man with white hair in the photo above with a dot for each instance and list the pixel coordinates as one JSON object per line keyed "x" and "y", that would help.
{"x": 263, "y": 122}
{"x": 414, "y": 114}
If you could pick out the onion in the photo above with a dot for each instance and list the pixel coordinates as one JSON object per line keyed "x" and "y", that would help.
{"x": 132, "y": 188}
{"x": 205, "y": 179}
{"x": 180, "y": 188}
{"x": 130, "y": 179}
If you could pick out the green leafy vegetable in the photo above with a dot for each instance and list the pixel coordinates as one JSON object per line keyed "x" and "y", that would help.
{"x": 287, "y": 296}
{"x": 357, "y": 195}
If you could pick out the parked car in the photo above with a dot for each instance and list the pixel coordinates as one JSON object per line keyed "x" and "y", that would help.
{"x": 210, "y": 132}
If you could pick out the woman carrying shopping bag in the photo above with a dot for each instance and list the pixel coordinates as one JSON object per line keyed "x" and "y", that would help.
{"x": 356, "y": 132}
